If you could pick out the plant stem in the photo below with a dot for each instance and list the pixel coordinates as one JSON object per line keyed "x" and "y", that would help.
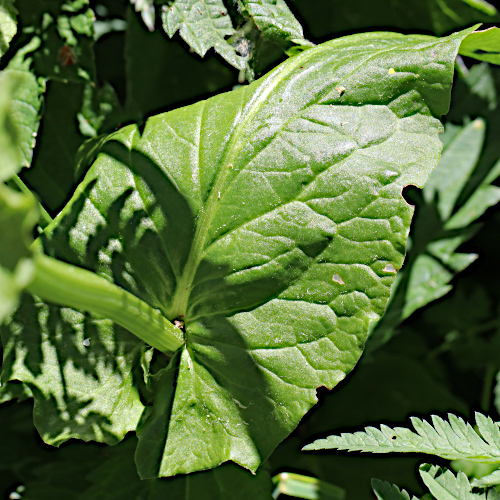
{"x": 45, "y": 218}
{"x": 73, "y": 286}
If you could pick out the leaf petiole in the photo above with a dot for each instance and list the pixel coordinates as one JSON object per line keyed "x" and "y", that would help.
{"x": 72, "y": 286}
{"x": 45, "y": 218}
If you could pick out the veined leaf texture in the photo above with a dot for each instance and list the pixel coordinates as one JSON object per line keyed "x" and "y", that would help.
{"x": 270, "y": 221}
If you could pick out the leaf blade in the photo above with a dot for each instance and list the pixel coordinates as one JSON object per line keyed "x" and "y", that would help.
{"x": 268, "y": 224}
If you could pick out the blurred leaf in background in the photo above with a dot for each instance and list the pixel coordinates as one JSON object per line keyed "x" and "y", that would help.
{"x": 323, "y": 17}
{"x": 18, "y": 212}
{"x": 63, "y": 31}
{"x": 8, "y": 24}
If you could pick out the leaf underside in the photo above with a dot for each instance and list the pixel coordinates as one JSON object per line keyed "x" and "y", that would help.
{"x": 270, "y": 220}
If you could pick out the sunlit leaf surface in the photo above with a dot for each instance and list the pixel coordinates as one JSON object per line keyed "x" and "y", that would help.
{"x": 270, "y": 221}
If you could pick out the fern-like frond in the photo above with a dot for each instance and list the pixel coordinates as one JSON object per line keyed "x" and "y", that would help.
{"x": 444, "y": 485}
{"x": 453, "y": 440}
{"x": 490, "y": 480}
{"x": 384, "y": 491}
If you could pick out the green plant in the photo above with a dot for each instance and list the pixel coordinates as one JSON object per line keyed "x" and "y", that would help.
{"x": 196, "y": 277}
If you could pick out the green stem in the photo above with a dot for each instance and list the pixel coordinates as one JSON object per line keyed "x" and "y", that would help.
{"x": 45, "y": 218}
{"x": 72, "y": 286}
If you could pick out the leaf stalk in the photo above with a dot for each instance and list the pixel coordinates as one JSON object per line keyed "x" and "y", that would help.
{"x": 72, "y": 286}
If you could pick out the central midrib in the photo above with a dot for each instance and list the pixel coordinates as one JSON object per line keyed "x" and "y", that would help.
{"x": 207, "y": 213}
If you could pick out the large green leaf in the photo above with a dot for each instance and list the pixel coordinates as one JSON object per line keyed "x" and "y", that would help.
{"x": 270, "y": 221}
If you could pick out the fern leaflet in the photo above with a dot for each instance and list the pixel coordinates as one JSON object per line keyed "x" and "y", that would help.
{"x": 452, "y": 440}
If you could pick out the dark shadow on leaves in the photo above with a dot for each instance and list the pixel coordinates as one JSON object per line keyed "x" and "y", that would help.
{"x": 44, "y": 330}
{"x": 152, "y": 258}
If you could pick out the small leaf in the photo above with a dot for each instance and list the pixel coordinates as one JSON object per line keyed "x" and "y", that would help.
{"x": 384, "y": 491}
{"x": 484, "y": 197}
{"x": 273, "y": 18}
{"x": 203, "y": 25}
{"x": 429, "y": 280}
{"x": 480, "y": 81}
{"x": 482, "y": 45}
{"x": 444, "y": 485}
{"x": 482, "y": 5}
{"x": 445, "y": 250}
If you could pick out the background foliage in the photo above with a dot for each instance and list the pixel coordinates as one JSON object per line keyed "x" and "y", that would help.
{"x": 437, "y": 348}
